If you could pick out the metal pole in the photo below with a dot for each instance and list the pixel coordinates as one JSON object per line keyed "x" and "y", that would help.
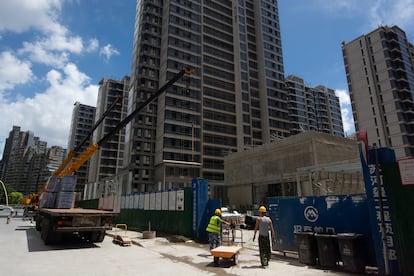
{"x": 5, "y": 193}
{"x": 381, "y": 206}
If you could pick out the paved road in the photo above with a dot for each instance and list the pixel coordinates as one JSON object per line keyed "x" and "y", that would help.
{"x": 198, "y": 255}
{"x": 22, "y": 252}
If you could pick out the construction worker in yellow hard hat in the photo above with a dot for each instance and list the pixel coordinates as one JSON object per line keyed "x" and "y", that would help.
{"x": 264, "y": 225}
{"x": 214, "y": 229}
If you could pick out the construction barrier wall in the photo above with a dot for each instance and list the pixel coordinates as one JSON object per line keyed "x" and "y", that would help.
{"x": 177, "y": 221}
{"x": 152, "y": 214}
{"x": 322, "y": 214}
{"x": 184, "y": 211}
{"x": 402, "y": 198}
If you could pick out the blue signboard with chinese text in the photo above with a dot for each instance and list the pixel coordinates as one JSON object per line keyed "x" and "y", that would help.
{"x": 200, "y": 199}
{"x": 322, "y": 214}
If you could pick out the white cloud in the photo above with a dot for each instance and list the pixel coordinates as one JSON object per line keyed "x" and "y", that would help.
{"x": 374, "y": 12}
{"x": 13, "y": 71}
{"x": 346, "y": 111}
{"x": 53, "y": 42}
{"x": 54, "y": 48}
{"x": 49, "y": 113}
{"x": 47, "y": 42}
{"x": 388, "y": 12}
{"x": 22, "y": 15}
{"x": 62, "y": 41}
{"x": 93, "y": 45}
{"x": 38, "y": 53}
{"x": 343, "y": 96}
{"x": 107, "y": 51}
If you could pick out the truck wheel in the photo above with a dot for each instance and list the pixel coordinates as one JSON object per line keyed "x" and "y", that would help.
{"x": 48, "y": 235}
{"x": 45, "y": 230}
{"x": 100, "y": 236}
{"x": 38, "y": 220}
{"x": 97, "y": 236}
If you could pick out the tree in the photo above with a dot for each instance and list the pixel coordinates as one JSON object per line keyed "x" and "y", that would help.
{"x": 14, "y": 197}
{"x": 9, "y": 190}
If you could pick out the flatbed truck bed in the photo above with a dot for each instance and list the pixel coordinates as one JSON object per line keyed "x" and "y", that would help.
{"x": 74, "y": 211}
{"x": 91, "y": 224}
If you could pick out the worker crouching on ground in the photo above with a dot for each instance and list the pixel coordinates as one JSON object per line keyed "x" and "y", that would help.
{"x": 264, "y": 225}
{"x": 214, "y": 229}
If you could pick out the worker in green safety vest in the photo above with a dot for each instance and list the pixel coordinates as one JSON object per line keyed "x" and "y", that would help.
{"x": 214, "y": 229}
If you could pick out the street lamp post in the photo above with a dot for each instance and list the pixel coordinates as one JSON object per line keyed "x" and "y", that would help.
{"x": 5, "y": 193}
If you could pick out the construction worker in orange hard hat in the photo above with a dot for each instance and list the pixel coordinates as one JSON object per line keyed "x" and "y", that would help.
{"x": 264, "y": 225}
{"x": 214, "y": 229}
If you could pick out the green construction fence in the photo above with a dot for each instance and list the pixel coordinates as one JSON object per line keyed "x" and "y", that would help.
{"x": 161, "y": 221}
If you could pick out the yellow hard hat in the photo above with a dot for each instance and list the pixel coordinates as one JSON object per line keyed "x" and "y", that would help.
{"x": 217, "y": 211}
{"x": 262, "y": 209}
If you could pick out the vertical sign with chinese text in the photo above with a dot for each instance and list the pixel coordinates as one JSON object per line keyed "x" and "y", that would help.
{"x": 379, "y": 209}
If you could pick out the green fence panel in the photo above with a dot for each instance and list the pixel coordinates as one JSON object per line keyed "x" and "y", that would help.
{"x": 88, "y": 204}
{"x": 162, "y": 221}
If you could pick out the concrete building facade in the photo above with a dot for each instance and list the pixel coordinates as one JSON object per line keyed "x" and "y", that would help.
{"x": 83, "y": 117}
{"x": 307, "y": 164}
{"x": 109, "y": 159}
{"x": 24, "y": 162}
{"x": 313, "y": 108}
{"x": 380, "y": 74}
{"x": 55, "y": 155}
{"x": 234, "y": 99}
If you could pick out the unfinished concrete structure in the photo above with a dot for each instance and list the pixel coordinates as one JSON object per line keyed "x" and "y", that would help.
{"x": 306, "y": 164}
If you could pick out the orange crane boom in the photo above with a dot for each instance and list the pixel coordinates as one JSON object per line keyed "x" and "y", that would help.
{"x": 69, "y": 165}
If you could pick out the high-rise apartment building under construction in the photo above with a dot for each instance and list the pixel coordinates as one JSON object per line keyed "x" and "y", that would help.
{"x": 110, "y": 110}
{"x": 380, "y": 73}
{"x": 235, "y": 98}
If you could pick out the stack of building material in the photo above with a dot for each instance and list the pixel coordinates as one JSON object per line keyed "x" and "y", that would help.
{"x": 48, "y": 197}
{"x": 59, "y": 193}
{"x": 233, "y": 217}
{"x": 66, "y": 196}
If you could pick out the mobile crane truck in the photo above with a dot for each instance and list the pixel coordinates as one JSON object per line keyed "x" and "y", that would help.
{"x": 54, "y": 203}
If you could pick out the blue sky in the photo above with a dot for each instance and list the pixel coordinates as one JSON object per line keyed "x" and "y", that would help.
{"x": 54, "y": 52}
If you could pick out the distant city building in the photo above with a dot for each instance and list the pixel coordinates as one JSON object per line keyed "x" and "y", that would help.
{"x": 380, "y": 72}
{"x": 55, "y": 155}
{"x": 109, "y": 159}
{"x": 83, "y": 118}
{"x": 24, "y": 162}
{"x": 313, "y": 108}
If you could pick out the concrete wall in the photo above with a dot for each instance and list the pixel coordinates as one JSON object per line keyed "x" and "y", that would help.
{"x": 271, "y": 161}
{"x": 293, "y": 160}
{"x": 243, "y": 192}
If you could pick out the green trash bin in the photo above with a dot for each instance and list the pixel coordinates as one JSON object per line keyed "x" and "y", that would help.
{"x": 328, "y": 250}
{"x": 307, "y": 247}
{"x": 353, "y": 251}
